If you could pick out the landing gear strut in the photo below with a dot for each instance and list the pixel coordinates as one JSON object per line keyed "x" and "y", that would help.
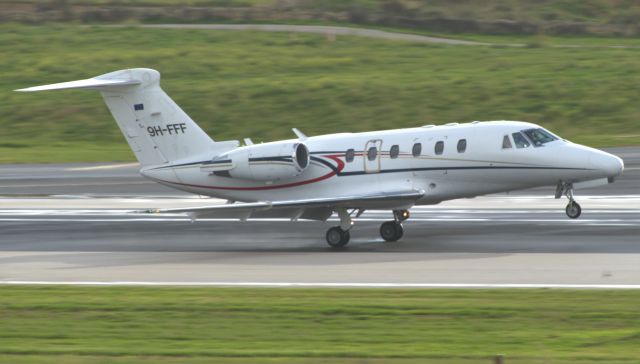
{"x": 573, "y": 209}
{"x": 338, "y": 236}
{"x": 392, "y": 230}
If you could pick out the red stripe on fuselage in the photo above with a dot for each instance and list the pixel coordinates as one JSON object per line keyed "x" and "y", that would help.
{"x": 334, "y": 157}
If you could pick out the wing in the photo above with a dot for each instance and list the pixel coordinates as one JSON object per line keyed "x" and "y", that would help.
{"x": 309, "y": 209}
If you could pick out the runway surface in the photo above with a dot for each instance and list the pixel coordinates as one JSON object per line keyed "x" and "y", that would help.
{"x": 81, "y": 223}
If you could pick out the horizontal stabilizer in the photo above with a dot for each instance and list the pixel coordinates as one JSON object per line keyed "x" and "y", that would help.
{"x": 90, "y": 83}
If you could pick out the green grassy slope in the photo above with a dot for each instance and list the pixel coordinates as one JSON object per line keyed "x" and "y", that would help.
{"x": 259, "y": 85}
{"x": 281, "y": 325}
{"x": 590, "y": 11}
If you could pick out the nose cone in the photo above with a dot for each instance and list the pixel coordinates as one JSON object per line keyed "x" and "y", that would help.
{"x": 609, "y": 164}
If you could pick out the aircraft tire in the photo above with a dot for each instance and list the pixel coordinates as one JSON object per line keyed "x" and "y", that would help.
{"x": 391, "y": 231}
{"x": 337, "y": 238}
{"x": 400, "y": 231}
{"x": 573, "y": 210}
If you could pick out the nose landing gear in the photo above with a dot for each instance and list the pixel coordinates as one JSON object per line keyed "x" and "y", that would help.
{"x": 573, "y": 209}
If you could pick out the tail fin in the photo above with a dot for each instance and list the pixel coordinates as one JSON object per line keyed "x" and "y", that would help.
{"x": 157, "y": 130}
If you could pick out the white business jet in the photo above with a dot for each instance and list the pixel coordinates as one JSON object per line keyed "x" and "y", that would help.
{"x": 346, "y": 173}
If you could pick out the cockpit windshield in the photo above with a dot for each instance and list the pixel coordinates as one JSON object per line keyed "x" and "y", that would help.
{"x": 539, "y": 136}
{"x": 520, "y": 140}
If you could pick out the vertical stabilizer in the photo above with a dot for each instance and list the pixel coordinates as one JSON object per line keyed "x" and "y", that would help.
{"x": 156, "y": 128}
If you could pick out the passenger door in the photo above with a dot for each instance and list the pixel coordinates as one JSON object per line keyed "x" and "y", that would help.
{"x": 371, "y": 157}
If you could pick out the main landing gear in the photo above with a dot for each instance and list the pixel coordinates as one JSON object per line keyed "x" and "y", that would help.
{"x": 338, "y": 236}
{"x": 392, "y": 230}
{"x": 573, "y": 209}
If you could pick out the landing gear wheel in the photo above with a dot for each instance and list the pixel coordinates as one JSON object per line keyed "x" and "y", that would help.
{"x": 391, "y": 231}
{"x": 337, "y": 238}
{"x": 573, "y": 210}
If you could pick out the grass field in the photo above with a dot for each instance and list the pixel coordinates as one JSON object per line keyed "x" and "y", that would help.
{"x": 259, "y": 85}
{"x": 196, "y": 325}
{"x": 593, "y": 11}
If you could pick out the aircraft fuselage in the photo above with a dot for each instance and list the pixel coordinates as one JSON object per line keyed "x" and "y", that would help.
{"x": 474, "y": 160}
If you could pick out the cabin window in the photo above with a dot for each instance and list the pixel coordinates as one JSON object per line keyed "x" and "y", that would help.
{"x": 349, "y": 155}
{"x": 520, "y": 140}
{"x": 372, "y": 153}
{"x": 462, "y": 145}
{"x": 439, "y": 148}
{"x": 395, "y": 150}
{"x": 417, "y": 149}
{"x": 506, "y": 142}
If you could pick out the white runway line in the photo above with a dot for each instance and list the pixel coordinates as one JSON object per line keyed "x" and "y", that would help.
{"x": 324, "y": 284}
{"x": 490, "y": 209}
{"x": 582, "y": 222}
{"x": 129, "y": 212}
{"x": 516, "y": 204}
{"x": 83, "y": 184}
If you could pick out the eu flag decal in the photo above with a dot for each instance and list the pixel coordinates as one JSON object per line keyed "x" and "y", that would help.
{"x": 138, "y": 107}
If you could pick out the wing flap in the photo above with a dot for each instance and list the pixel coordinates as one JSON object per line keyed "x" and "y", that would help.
{"x": 312, "y": 209}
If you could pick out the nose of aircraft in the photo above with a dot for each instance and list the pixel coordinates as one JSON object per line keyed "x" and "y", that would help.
{"x": 607, "y": 163}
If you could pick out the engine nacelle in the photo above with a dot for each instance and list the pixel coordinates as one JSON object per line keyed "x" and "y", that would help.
{"x": 270, "y": 161}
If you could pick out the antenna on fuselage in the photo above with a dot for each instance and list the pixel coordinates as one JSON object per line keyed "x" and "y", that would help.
{"x": 299, "y": 134}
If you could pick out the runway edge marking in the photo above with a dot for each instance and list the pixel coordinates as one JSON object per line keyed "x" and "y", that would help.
{"x": 324, "y": 285}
